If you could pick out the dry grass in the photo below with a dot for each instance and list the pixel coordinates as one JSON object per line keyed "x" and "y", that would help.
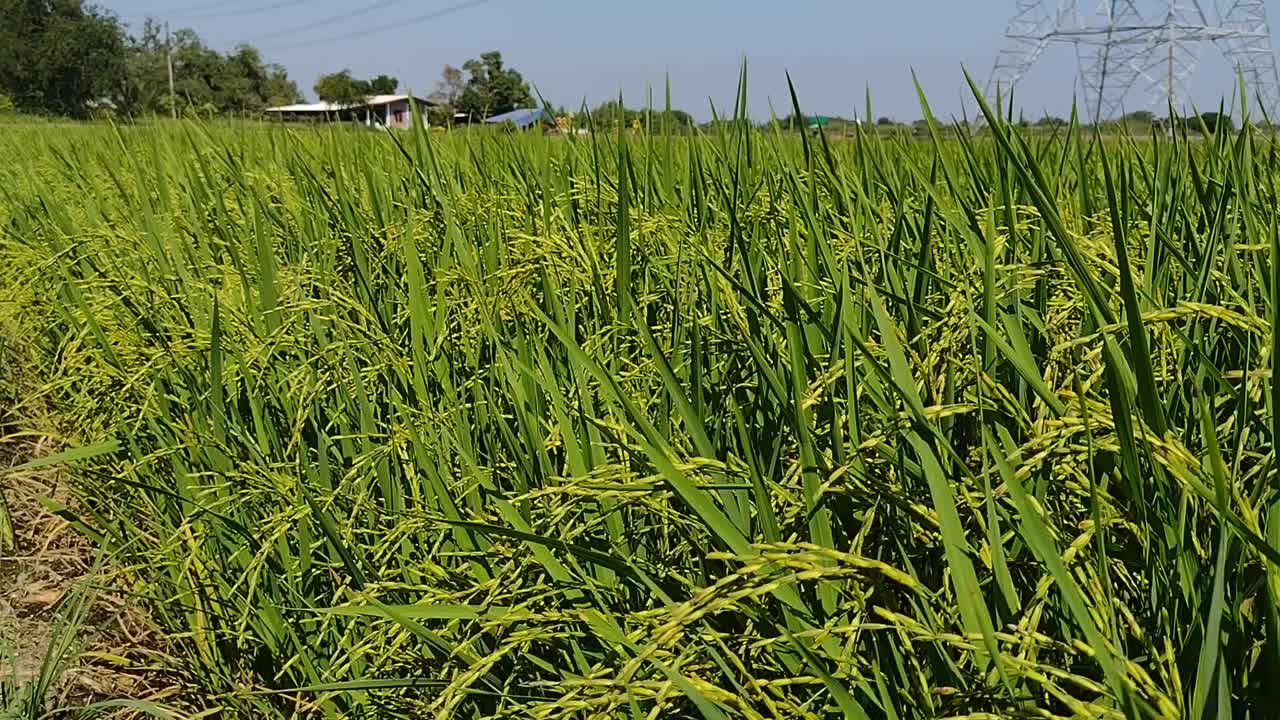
{"x": 118, "y": 654}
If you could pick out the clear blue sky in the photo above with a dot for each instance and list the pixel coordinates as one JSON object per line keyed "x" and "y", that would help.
{"x": 575, "y": 49}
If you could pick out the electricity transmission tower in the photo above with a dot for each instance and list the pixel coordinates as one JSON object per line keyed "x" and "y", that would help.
{"x": 1154, "y": 43}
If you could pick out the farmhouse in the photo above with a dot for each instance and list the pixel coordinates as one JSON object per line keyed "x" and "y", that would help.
{"x": 376, "y": 110}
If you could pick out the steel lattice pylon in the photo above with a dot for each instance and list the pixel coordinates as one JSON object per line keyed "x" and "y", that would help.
{"x": 1128, "y": 43}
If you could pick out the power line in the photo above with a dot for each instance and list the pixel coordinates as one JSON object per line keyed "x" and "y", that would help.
{"x": 243, "y": 11}
{"x": 442, "y": 12}
{"x": 183, "y": 10}
{"x": 215, "y": 11}
{"x": 350, "y": 14}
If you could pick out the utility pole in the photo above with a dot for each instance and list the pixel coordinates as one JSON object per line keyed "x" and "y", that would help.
{"x": 168, "y": 52}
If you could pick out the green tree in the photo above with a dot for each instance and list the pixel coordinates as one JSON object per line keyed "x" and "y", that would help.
{"x": 492, "y": 88}
{"x": 612, "y": 114}
{"x": 146, "y": 87}
{"x": 794, "y": 121}
{"x": 1215, "y": 122}
{"x": 383, "y": 85}
{"x": 242, "y": 82}
{"x": 204, "y": 79}
{"x": 449, "y": 88}
{"x": 1139, "y": 117}
{"x": 451, "y": 85}
{"x": 1211, "y": 122}
{"x": 341, "y": 89}
{"x": 279, "y": 89}
{"x": 197, "y": 70}
{"x": 675, "y": 119}
{"x": 57, "y": 56}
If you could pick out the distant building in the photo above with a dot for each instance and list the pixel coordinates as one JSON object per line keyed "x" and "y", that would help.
{"x": 377, "y": 110}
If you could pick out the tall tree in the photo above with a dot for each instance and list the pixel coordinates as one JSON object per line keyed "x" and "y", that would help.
{"x": 204, "y": 79}
{"x": 444, "y": 100}
{"x": 383, "y": 85}
{"x": 243, "y": 80}
{"x": 450, "y": 86}
{"x": 58, "y": 56}
{"x": 279, "y": 89}
{"x": 146, "y": 87}
{"x": 492, "y": 88}
{"x": 341, "y": 89}
{"x": 198, "y": 72}
{"x": 612, "y": 114}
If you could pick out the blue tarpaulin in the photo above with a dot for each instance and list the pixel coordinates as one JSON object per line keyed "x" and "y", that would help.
{"x": 521, "y": 117}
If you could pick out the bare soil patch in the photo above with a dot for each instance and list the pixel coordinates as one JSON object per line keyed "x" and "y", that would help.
{"x": 116, "y": 654}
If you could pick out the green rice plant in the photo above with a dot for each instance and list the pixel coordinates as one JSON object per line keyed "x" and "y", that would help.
{"x": 739, "y": 424}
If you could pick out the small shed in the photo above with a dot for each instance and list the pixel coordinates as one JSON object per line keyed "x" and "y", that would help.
{"x": 818, "y": 121}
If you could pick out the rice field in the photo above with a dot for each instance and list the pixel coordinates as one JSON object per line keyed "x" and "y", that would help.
{"x": 745, "y": 424}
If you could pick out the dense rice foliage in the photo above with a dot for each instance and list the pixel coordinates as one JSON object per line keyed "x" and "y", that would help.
{"x": 643, "y": 426}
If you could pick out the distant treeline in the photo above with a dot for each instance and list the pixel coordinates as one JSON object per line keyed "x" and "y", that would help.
{"x": 75, "y": 59}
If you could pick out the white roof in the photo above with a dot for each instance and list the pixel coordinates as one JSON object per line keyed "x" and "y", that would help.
{"x": 333, "y": 107}
{"x": 384, "y": 99}
{"x": 306, "y": 107}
